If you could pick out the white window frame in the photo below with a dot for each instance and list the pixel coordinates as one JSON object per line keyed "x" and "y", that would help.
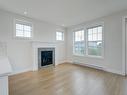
{"x": 102, "y": 50}
{"x": 62, "y": 35}
{"x": 24, "y": 22}
{"x": 76, "y": 30}
{"x": 86, "y": 40}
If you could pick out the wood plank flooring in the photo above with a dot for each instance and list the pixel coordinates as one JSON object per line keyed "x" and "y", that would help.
{"x": 67, "y": 79}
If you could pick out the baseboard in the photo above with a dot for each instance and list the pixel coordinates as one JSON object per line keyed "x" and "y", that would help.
{"x": 82, "y": 64}
{"x": 100, "y": 68}
{"x": 114, "y": 71}
{"x": 60, "y": 62}
{"x": 69, "y": 61}
{"x": 89, "y": 65}
{"x": 19, "y": 72}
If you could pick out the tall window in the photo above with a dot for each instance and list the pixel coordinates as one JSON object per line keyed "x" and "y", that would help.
{"x": 23, "y": 29}
{"x": 79, "y": 44}
{"x": 94, "y": 41}
{"x": 89, "y": 42}
{"x": 59, "y": 36}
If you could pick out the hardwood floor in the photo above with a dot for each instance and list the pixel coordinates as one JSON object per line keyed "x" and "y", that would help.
{"x": 67, "y": 79}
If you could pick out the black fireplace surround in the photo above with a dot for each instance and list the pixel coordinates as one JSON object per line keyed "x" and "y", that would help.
{"x": 46, "y": 57}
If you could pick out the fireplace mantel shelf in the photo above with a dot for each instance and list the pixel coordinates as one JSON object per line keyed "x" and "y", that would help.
{"x": 43, "y": 44}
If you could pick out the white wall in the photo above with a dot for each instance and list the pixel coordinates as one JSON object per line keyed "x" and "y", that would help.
{"x": 112, "y": 61}
{"x": 19, "y": 51}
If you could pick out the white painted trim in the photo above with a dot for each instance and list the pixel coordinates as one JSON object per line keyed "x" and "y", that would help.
{"x": 69, "y": 61}
{"x": 4, "y": 85}
{"x": 61, "y": 62}
{"x": 22, "y": 71}
{"x": 89, "y": 65}
{"x": 103, "y": 46}
{"x": 82, "y": 64}
{"x": 85, "y": 27}
{"x": 114, "y": 71}
{"x": 37, "y": 45}
{"x": 124, "y": 45}
{"x": 76, "y": 30}
{"x": 89, "y": 56}
{"x": 30, "y": 69}
{"x": 99, "y": 68}
{"x": 26, "y": 22}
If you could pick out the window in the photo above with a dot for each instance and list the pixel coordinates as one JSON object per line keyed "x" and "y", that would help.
{"x": 59, "y": 36}
{"x": 94, "y": 41}
{"x": 23, "y": 29}
{"x": 89, "y": 42}
{"x": 79, "y": 44}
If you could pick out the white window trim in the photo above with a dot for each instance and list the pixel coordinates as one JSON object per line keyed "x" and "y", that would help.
{"x": 85, "y": 40}
{"x": 23, "y": 21}
{"x": 62, "y": 35}
{"x": 92, "y": 26}
{"x": 74, "y": 41}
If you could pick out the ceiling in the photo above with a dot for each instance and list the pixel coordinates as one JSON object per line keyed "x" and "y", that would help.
{"x": 64, "y": 12}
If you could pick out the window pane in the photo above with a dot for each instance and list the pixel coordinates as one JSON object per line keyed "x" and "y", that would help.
{"x": 99, "y": 36}
{"x": 79, "y": 44}
{"x": 23, "y": 29}
{"x": 19, "y": 27}
{"x": 99, "y": 44}
{"x": 27, "y": 28}
{"x": 27, "y": 34}
{"x": 100, "y": 33}
{"x": 76, "y": 36}
{"x": 100, "y": 29}
{"x": 90, "y": 31}
{"x": 79, "y": 35}
{"x": 19, "y": 33}
{"x": 94, "y": 34}
{"x": 92, "y": 44}
{"x": 94, "y": 48}
{"x": 94, "y": 51}
{"x": 79, "y": 48}
{"x": 59, "y": 36}
{"x": 94, "y": 30}
{"x": 95, "y": 41}
{"x": 90, "y": 37}
{"x": 94, "y": 37}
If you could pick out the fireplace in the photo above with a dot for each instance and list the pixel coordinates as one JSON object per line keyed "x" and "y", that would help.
{"x": 46, "y": 57}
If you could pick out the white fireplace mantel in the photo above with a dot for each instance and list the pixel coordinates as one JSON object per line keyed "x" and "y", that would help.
{"x": 37, "y": 45}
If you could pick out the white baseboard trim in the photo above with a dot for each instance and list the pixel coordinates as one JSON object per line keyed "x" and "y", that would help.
{"x": 69, "y": 61}
{"x": 30, "y": 69}
{"x": 82, "y": 64}
{"x": 22, "y": 71}
{"x": 100, "y": 68}
{"x": 89, "y": 65}
{"x": 114, "y": 71}
{"x": 60, "y": 62}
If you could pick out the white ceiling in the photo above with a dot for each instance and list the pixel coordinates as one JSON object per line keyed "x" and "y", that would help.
{"x": 67, "y": 12}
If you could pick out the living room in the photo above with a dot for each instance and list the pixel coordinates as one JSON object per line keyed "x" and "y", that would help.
{"x": 63, "y": 47}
